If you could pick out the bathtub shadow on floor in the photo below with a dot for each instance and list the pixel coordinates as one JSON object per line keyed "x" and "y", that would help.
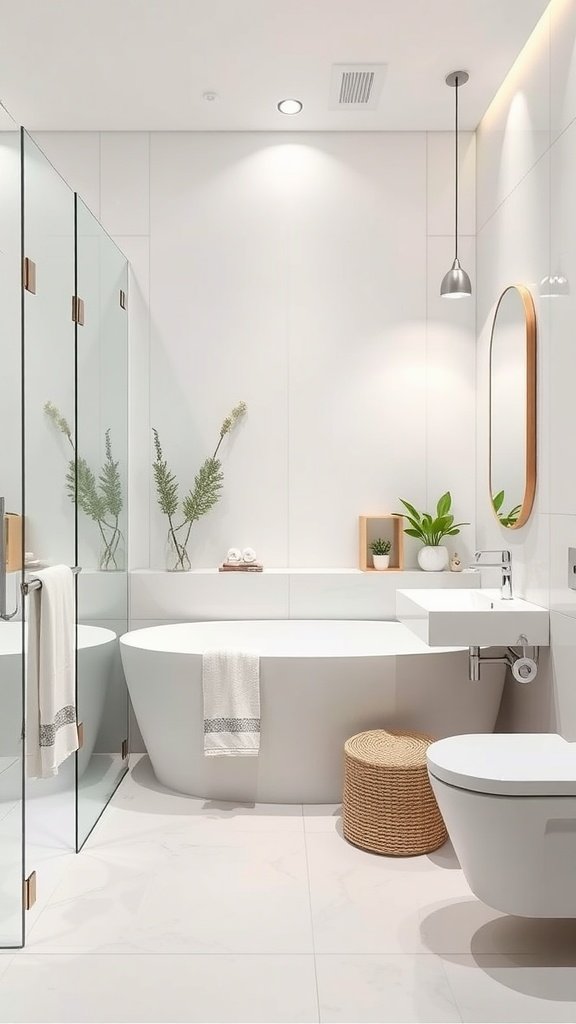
{"x": 148, "y": 794}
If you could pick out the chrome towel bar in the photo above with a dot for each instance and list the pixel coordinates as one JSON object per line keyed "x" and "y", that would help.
{"x": 35, "y": 584}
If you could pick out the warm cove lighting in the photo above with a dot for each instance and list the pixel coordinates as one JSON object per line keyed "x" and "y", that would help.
{"x": 289, "y": 106}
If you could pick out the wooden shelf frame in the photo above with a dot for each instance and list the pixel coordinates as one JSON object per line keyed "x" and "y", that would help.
{"x": 390, "y": 527}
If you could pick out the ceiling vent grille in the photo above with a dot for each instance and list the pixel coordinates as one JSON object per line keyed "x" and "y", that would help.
{"x": 356, "y": 86}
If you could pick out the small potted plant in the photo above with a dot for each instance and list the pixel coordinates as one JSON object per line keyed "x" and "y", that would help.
{"x": 380, "y": 553}
{"x": 433, "y": 556}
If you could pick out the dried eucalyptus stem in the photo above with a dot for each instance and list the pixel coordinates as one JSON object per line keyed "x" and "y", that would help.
{"x": 201, "y": 498}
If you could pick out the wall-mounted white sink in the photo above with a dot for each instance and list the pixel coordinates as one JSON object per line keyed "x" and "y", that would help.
{"x": 470, "y": 618}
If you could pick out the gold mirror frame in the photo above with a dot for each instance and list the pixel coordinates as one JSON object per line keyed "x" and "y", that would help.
{"x": 530, "y": 465}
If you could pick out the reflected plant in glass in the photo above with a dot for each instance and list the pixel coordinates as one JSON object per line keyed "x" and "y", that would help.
{"x": 200, "y": 499}
{"x": 99, "y": 498}
{"x": 510, "y": 518}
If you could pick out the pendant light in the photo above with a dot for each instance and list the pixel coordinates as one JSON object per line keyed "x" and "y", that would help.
{"x": 456, "y": 283}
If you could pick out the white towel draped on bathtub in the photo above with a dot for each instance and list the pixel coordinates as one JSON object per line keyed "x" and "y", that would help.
{"x": 231, "y": 690}
{"x": 51, "y": 732}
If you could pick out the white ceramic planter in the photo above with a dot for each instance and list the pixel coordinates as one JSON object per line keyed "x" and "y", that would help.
{"x": 381, "y": 561}
{"x": 433, "y": 559}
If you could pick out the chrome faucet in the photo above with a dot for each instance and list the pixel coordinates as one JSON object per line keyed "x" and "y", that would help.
{"x": 505, "y": 564}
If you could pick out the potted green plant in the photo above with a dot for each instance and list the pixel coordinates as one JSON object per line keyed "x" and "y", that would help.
{"x": 380, "y": 553}
{"x": 431, "y": 530}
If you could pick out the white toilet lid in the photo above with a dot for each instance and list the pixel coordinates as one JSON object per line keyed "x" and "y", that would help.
{"x": 510, "y": 764}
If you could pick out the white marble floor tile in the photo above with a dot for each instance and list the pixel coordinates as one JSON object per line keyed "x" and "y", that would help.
{"x": 363, "y": 903}
{"x": 51, "y": 867}
{"x": 142, "y": 805}
{"x": 486, "y": 991}
{"x": 184, "y": 892}
{"x": 129, "y": 988}
{"x": 384, "y": 988}
{"x": 448, "y": 926}
{"x": 187, "y": 910}
{"x": 6, "y": 958}
{"x": 322, "y": 817}
{"x": 11, "y": 875}
{"x": 466, "y": 927}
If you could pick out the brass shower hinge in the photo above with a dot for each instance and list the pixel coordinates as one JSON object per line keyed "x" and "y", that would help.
{"x": 122, "y": 299}
{"x": 80, "y": 728}
{"x": 78, "y": 310}
{"x": 124, "y": 749}
{"x": 29, "y": 275}
{"x": 29, "y": 894}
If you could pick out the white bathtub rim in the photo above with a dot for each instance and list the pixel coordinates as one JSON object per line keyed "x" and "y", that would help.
{"x": 185, "y": 638}
{"x": 88, "y": 636}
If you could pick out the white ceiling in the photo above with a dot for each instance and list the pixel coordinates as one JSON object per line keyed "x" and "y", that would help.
{"x": 144, "y": 64}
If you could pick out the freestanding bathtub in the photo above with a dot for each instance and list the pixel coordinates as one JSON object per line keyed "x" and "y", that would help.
{"x": 321, "y": 682}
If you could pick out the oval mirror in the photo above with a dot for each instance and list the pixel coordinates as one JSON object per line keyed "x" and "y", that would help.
{"x": 513, "y": 407}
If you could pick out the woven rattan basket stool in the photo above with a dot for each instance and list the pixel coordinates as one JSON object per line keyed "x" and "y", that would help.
{"x": 389, "y": 806}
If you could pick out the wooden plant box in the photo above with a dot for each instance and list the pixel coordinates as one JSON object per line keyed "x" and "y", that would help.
{"x": 389, "y": 527}
{"x": 13, "y": 541}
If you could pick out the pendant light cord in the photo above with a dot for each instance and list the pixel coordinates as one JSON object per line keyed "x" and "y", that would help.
{"x": 456, "y": 174}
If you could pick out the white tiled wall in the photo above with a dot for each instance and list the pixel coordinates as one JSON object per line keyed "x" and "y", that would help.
{"x": 526, "y": 216}
{"x": 124, "y": 189}
{"x": 298, "y": 594}
{"x": 299, "y": 273}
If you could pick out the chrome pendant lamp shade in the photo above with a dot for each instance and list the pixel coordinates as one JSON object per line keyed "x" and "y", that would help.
{"x": 456, "y": 283}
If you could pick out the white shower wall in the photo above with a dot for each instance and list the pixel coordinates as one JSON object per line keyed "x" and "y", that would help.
{"x": 526, "y": 213}
{"x": 300, "y": 273}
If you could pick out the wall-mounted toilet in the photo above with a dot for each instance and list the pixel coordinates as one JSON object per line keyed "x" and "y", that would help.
{"x": 509, "y": 803}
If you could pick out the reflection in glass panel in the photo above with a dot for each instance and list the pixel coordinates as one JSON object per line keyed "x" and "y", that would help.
{"x": 102, "y": 367}
{"x": 11, "y": 641}
{"x": 48, "y": 211}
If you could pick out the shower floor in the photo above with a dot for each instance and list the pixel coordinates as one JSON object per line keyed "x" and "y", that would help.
{"x": 180, "y": 909}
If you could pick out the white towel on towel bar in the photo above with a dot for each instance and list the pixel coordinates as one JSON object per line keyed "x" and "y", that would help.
{"x": 231, "y": 690}
{"x": 51, "y": 730}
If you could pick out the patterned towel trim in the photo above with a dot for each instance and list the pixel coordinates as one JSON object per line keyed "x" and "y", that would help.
{"x": 66, "y": 716}
{"x": 231, "y": 725}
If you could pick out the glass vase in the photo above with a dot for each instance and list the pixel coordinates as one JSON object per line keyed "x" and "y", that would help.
{"x": 112, "y": 553}
{"x": 177, "y": 559}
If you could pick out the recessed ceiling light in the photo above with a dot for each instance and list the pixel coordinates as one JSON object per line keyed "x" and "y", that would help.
{"x": 289, "y": 106}
{"x": 210, "y": 96}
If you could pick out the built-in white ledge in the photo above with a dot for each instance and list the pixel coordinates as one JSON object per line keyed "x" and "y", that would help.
{"x": 277, "y": 593}
{"x": 290, "y": 571}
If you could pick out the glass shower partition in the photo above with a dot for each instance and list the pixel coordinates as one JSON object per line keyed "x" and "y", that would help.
{"x": 49, "y": 440}
{"x": 102, "y": 387}
{"x": 63, "y": 495}
{"x": 11, "y": 625}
